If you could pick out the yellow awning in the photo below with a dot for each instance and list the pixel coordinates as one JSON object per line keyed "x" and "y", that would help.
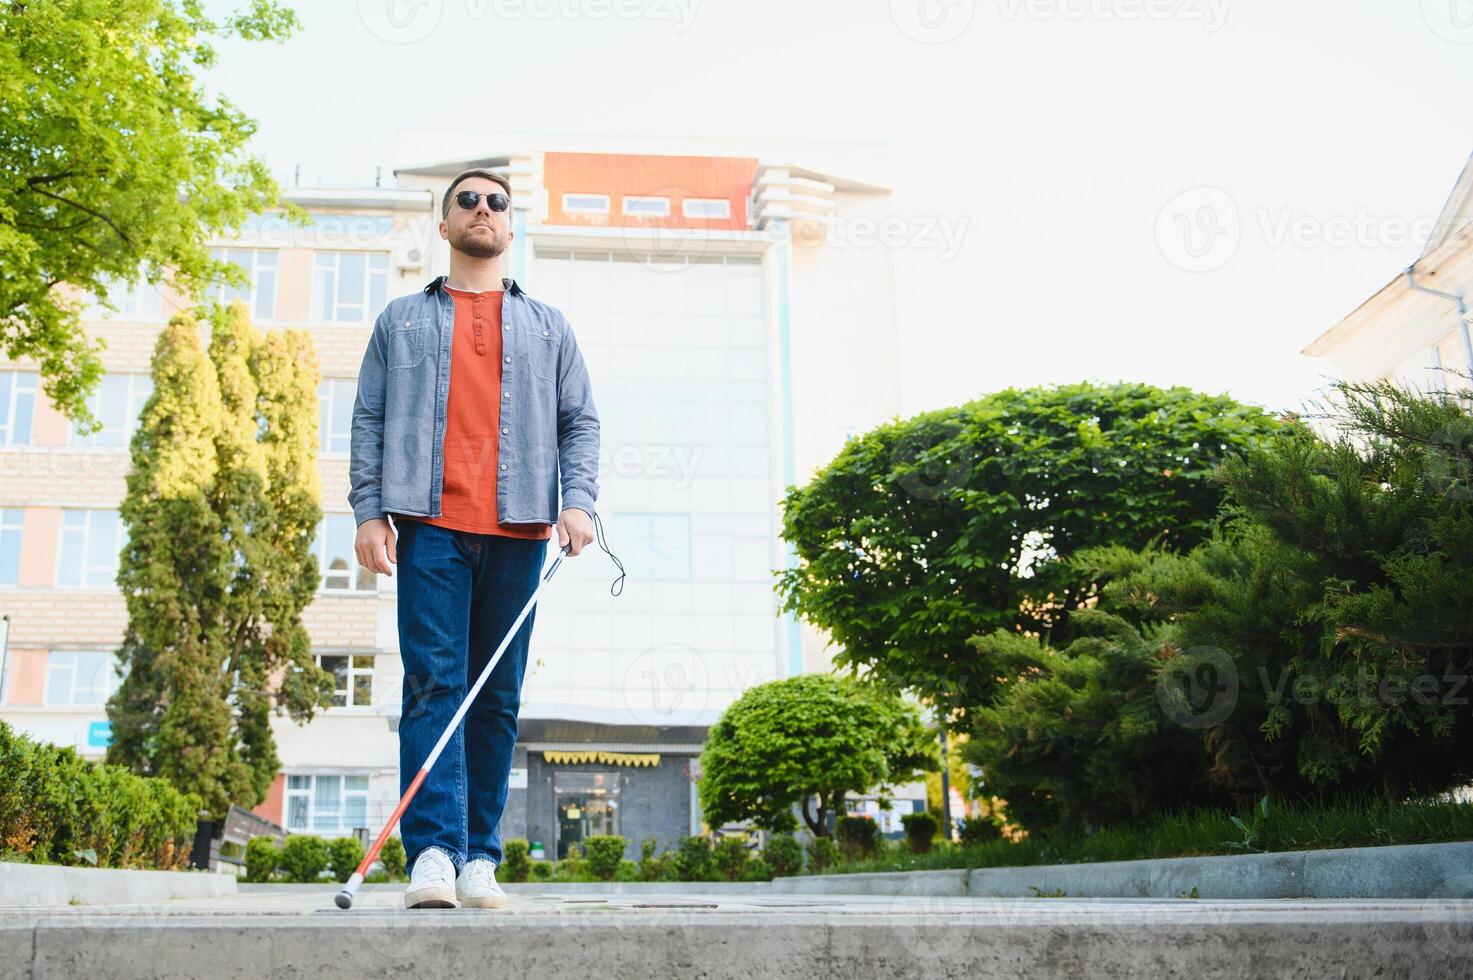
{"x": 599, "y": 755}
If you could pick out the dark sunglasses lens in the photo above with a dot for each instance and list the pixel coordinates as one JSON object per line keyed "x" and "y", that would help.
{"x": 469, "y": 199}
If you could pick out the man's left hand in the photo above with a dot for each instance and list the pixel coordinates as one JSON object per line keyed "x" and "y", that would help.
{"x": 575, "y": 526}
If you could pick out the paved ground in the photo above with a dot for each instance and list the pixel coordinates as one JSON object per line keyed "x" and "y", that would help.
{"x": 297, "y": 931}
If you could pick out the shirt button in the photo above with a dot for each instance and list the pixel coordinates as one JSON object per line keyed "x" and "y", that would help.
{"x": 544, "y": 333}
{"x": 506, "y": 394}
{"x": 503, "y": 466}
{"x": 507, "y": 358}
{"x": 504, "y": 430}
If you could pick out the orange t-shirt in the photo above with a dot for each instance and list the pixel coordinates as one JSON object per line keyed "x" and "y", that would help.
{"x": 473, "y": 421}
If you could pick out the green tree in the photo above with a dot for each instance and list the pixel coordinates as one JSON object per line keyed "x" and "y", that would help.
{"x": 267, "y": 493}
{"x": 217, "y": 569}
{"x": 171, "y": 714}
{"x": 1342, "y": 596}
{"x": 924, "y": 533}
{"x": 790, "y": 742}
{"x": 1077, "y": 739}
{"x": 1317, "y": 646}
{"x": 115, "y": 164}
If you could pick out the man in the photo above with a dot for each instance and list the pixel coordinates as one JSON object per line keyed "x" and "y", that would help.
{"x": 472, "y": 396}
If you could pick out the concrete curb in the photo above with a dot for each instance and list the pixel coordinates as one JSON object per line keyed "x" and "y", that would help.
{"x": 31, "y": 885}
{"x": 1402, "y": 871}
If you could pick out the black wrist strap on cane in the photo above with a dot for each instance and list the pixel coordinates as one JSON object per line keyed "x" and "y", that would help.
{"x": 598, "y": 530}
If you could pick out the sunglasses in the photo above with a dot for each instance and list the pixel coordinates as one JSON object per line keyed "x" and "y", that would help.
{"x": 496, "y": 200}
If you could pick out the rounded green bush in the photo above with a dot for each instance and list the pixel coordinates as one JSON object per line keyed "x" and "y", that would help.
{"x": 515, "y": 865}
{"x": 784, "y": 855}
{"x": 858, "y": 836}
{"x": 920, "y": 830}
{"x": 731, "y": 858}
{"x": 344, "y": 856}
{"x": 261, "y": 858}
{"x": 393, "y": 856}
{"x": 604, "y": 852}
{"x": 304, "y": 857}
{"x": 823, "y": 853}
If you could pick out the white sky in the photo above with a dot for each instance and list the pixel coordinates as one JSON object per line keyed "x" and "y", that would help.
{"x": 1051, "y": 134}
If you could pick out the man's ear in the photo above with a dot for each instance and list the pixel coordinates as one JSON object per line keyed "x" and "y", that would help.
{"x": 445, "y": 230}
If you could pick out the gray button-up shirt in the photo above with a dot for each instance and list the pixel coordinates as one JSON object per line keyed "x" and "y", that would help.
{"x": 548, "y": 420}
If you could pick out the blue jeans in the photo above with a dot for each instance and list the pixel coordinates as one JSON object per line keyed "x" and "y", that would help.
{"x": 459, "y": 593}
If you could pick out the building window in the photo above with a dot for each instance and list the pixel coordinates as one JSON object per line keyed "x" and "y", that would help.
{"x": 326, "y": 804}
{"x": 17, "y": 407}
{"x": 260, "y": 269}
{"x": 91, "y": 541}
{"x": 334, "y": 550}
{"x": 354, "y": 676}
{"x": 349, "y": 287}
{"x": 335, "y": 396}
{"x": 10, "y": 524}
{"x": 705, "y": 207}
{"x": 140, "y": 300}
{"x": 586, "y": 203}
{"x": 647, "y": 207}
{"x": 659, "y": 544}
{"x": 118, "y": 402}
{"x": 79, "y": 678}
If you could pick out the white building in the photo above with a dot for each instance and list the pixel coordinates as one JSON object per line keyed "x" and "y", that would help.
{"x": 736, "y": 335}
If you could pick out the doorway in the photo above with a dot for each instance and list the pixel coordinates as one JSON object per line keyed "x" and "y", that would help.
{"x": 587, "y": 804}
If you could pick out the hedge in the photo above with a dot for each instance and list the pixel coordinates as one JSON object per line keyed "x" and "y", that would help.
{"x": 59, "y": 808}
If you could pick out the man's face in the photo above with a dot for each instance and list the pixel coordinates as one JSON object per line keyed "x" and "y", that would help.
{"x": 479, "y": 232}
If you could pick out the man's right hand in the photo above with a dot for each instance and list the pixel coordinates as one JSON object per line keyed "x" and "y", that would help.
{"x": 375, "y": 537}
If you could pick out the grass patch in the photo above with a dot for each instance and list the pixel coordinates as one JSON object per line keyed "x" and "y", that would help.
{"x": 1369, "y": 822}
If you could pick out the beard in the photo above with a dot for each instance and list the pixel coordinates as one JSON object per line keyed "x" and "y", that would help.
{"x": 477, "y": 243}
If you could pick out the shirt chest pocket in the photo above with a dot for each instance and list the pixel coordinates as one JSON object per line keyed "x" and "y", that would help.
{"x": 408, "y": 340}
{"x": 541, "y": 351}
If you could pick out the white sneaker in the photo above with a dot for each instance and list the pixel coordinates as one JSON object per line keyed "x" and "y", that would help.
{"x": 431, "y": 884}
{"x": 476, "y": 886}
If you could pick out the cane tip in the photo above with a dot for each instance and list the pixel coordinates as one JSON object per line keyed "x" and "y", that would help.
{"x": 344, "y": 900}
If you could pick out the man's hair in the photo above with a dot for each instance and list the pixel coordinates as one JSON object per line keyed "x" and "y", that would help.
{"x": 473, "y": 172}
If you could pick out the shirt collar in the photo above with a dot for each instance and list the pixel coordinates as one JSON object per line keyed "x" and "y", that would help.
{"x": 510, "y": 284}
